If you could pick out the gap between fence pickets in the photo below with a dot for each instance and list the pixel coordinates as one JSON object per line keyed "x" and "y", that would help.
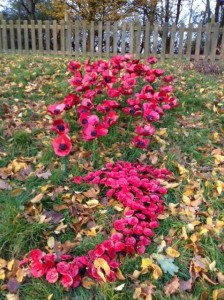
{"x": 105, "y": 39}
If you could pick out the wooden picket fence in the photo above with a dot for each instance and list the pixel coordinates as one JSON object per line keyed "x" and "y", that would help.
{"x": 105, "y": 39}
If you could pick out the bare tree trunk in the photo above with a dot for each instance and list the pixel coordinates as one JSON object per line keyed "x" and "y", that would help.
{"x": 178, "y": 11}
{"x": 167, "y": 11}
{"x": 217, "y": 7}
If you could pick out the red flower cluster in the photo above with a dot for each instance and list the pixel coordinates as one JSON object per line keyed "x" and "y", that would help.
{"x": 137, "y": 188}
{"x": 95, "y": 90}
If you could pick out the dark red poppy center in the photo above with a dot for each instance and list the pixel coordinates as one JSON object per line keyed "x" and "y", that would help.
{"x": 61, "y": 127}
{"x": 93, "y": 133}
{"x": 107, "y": 79}
{"x": 140, "y": 144}
{"x": 62, "y": 147}
{"x": 57, "y": 111}
{"x": 149, "y": 118}
{"x": 84, "y": 121}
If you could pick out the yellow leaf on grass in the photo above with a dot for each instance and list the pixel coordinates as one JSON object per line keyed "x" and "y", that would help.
{"x": 218, "y": 294}
{"x": 37, "y": 198}
{"x": 219, "y": 186}
{"x": 10, "y": 264}
{"x": 51, "y": 242}
{"x": 92, "y": 203}
{"x": 172, "y": 252}
{"x": 181, "y": 169}
{"x": 157, "y": 271}
{"x": 19, "y": 275}
{"x": 18, "y": 165}
{"x": 102, "y": 268}
{"x": 3, "y": 263}
{"x": 2, "y": 274}
{"x": 146, "y": 263}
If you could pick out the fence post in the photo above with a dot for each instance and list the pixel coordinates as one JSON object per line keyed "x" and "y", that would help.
{"x": 12, "y": 36}
{"x": 181, "y": 38}
{"x": 123, "y": 38}
{"x": 189, "y": 40}
{"x": 19, "y": 36}
{"x": 147, "y": 40}
{"x": 1, "y": 18}
{"x": 107, "y": 39}
{"x": 164, "y": 38}
{"x": 214, "y": 39}
{"x": 207, "y": 41}
{"x": 198, "y": 42}
{"x": 172, "y": 40}
{"x": 155, "y": 38}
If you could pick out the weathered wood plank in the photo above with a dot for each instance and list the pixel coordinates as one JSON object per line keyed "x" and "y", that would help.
{"x": 164, "y": 37}
{"x": 207, "y": 46}
{"x": 40, "y": 36}
{"x": 172, "y": 40}
{"x": 77, "y": 52}
{"x": 69, "y": 38}
{"x": 62, "y": 36}
{"x": 123, "y": 38}
{"x": 138, "y": 40}
{"x": 147, "y": 40}
{"x": 100, "y": 34}
{"x": 189, "y": 42}
{"x": 92, "y": 40}
{"x": 55, "y": 35}
{"x": 19, "y": 36}
{"x": 131, "y": 39}
{"x": 115, "y": 29}
{"x": 107, "y": 39}
{"x": 47, "y": 36}
{"x": 222, "y": 45}
{"x": 26, "y": 36}
{"x": 33, "y": 36}
{"x": 84, "y": 37}
{"x": 4, "y": 36}
{"x": 181, "y": 38}
{"x": 12, "y": 36}
{"x": 198, "y": 42}
{"x": 214, "y": 39}
{"x": 155, "y": 38}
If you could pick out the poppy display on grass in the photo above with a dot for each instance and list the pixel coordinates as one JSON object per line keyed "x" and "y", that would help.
{"x": 62, "y": 145}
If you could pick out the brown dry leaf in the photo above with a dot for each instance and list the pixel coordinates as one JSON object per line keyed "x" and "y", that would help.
{"x": 172, "y": 287}
{"x": 88, "y": 283}
{"x": 92, "y": 193}
{"x": 220, "y": 277}
{"x": 137, "y": 293}
{"x": 172, "y": 252}
{"x": 218, "y": 294}
{"x": 186, "y": 285}
{"x": 101, "y": 265}
{"x": 119, "y": 275}
{"x": 37, "y": 198}
{"x": 4, "y": 185}
{"x": 51, "y": 242}
{"x": 206, "y": 278}
{"x": 44, "y": 175}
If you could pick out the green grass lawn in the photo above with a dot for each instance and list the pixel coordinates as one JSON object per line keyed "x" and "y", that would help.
{"x": 189, "y": 142}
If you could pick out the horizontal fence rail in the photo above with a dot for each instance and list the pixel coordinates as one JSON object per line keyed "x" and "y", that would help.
{"x": 104, "y": 39}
